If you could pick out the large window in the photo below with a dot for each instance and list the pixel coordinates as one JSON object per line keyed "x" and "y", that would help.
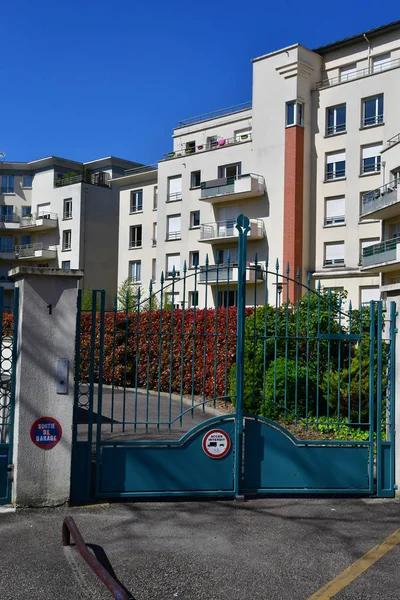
{"x": 7, "y": 184}
{"x": 66, "y": 239}
{"x": 334, "y": 254}
{"x": 6, "y": 214}
{"x": 334, "y": 210}
{"x": 26, "y": 211}
{"x": 135, "y": 271}
{"x": 381, "y": 62}
{"x": 294, "y": 113}
{"x": 174, "y": 188}
{"x": 227, "y": 298}
{"x": 27, "y": 181}
{"x": 135, "y": 236}
{"x": 233, "y": 170}
{"x": 173, "y": 262}
{"x": 371, "y": 158}
{"x": 67, "y": 209}
{"x": 335, "y": 165}
{"x": 372, "y": 111}
{"x": 174, "y": 227}
{"x": 222, "y": 256}
{"x": 136, "y": 201}
{"x": 336, "y": 119}
{"x": 6, "y": 244}
{"x": 348, "y": 72}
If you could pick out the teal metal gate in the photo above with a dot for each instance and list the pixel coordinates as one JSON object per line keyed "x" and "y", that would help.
{"x": 8, "y": 353}
{"x": 289, "y": 394}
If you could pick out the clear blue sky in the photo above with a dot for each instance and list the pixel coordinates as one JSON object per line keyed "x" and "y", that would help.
{"x": 85, "y": 79}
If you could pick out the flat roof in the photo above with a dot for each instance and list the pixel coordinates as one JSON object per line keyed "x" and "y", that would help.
{"x": 359, "y": 37}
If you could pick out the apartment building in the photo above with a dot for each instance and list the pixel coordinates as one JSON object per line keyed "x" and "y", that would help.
{"x": 298, "y": 160}
{"x": 63, "y": 214}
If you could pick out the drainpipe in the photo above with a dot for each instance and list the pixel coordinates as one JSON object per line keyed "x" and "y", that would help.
{"x": 369, "y": 51}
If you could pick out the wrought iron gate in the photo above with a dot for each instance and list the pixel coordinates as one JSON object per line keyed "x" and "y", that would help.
{"x": 8, "y": 349}
{"x": 298, "y": 388}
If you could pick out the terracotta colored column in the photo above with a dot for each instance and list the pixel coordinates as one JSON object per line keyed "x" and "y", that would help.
{"x": 293, "y": 205}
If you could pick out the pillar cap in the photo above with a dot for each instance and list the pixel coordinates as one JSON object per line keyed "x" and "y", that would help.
{"x": 20, "y": 272}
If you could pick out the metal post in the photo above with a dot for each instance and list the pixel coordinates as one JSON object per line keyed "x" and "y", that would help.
{"x": 243, "y": 227}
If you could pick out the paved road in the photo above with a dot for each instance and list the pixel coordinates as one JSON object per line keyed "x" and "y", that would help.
{"x": 266, "y": 549}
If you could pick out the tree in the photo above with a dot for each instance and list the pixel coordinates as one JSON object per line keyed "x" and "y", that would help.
{"x": 127, "y": 295}
{"x": 87, "y": 300}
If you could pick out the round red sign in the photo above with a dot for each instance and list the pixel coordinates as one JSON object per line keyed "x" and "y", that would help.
{"x": 46, "y": 432}
{"x": 216, "y": 443}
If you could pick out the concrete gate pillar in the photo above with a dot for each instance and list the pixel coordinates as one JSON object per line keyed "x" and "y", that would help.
{"x": 46, "y": 332}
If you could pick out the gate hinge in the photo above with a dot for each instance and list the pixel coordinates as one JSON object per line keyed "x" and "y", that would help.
{"x": 10, "y": 472}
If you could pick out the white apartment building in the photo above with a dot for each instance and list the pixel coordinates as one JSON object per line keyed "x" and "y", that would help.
{"x": 62, "y": 214}
{"x": 298, "y": 160}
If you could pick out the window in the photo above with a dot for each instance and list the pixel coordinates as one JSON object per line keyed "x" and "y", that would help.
{"x": 227, "y": 298}
{"x": 67, "y": 210}
{"x": 193, "y": 299}
{"x": 222, "y": 256}
{"x": 195, "y": 179}
{"x": 371, "y": 158}
{"x": 135, "y": 270}
{"x": 26, "y": 211}
{"x": 242, "y": 135}
{"x": 153, "y": 269}
{"x": 174, "y": 188}
{"x": 334, "y": 210}
{"x": 394, "y": 230}
{"x": 27, "y": 181}
{"x": 174, "y": 227}
{"x": 212, "y": 142}
{"x": 154, "y": 238}
{"x": 381, "y": 62}
{"x": 348, "y": 72}
{"x": 173, "y": 262}
{"x": 294, "y": 113}
{"x": 194, "y": 219}
{"x": 336, "y": 119}
{"x": 190, "y": 147}
{"x": 136, "y": 201}
{"x": 25, "y": 240}
{"x": 135, "y": 236}
{"x": 66, "y": 239}
{"x": 369, "y": 293}
{"x": 6, "y": 244}
{"x": 335, "y": 165}
{"x": 7, "y": 184}
{"x": 372, "y": 111}
{"x": 334, "y": 254}
{"x": 233, "y": 170}
{"x": 172, "y": 299}
{"x": 155, "y": 197}
{"x": 194, "y": 259}
{"x": 66, "y": 264}
{"x": 364, "y": 244}
{"x": 6, "y": 214}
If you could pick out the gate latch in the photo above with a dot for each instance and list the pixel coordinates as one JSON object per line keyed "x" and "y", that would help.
{"x": 10, "y": 472}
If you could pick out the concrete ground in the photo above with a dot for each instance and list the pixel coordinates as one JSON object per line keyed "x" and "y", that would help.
{"x": 265, "y": 549}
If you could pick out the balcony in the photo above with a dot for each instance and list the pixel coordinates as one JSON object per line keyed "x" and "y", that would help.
{"x": 10, "y": 221}
{"x": 382, "y": 257}
{"x": 393, "y": 141}
{"x": 233, "y": 188}
{"x": 215, "y": 114}
{"x": 372, "y": 70}
{"x": 382, "y": 203}
{"x": 40, "y": 222}
{"x": 223, "y": 231}
{"x": 36, "y": 251}
{"x": 214, "y": 145}
{"x": 224, "y": 274}
{"x": 101, "y": 179}
{"x": 7, "y": 251}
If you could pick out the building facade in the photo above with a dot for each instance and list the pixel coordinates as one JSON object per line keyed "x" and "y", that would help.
{"x": 62, "y": 214}
{"x": 298, "y": 160}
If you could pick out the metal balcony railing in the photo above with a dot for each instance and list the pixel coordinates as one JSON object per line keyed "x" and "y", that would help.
{"x": 371, "y": 168}
{"x": 216, "y": 113}
{"x": 380, "y": 197}
{"x": 210, "y": 145}
{"x": 100, "y": 179}
{"x": 373, "y": 120}
{"x": 345, "y": 77}
{"x": 334, "y": 129}
{"x": 334, "y": 262}
{"x": 28, "y": 250}
{"x": 142, "y": 169}
{"x": 226, "y": 229}
{"x": 380, "y": 253}
{"x": 339, "y": 219}
{"x": 32, "y": 220}
{"x": 172, "y": 197}
{"x": 393, "y": 141}
{"x": 230, "y": 185}
{"x": 9, "y": 218}
{"x": 173, "y": 235}
{"x": 336, "y": 174}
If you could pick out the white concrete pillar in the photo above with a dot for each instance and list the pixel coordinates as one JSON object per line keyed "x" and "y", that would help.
{"x": 46, "y": 332}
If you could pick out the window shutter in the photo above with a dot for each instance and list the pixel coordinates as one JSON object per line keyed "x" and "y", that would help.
{"x": 174, "y": 260}
{"x": 335, "y": 207}
{"x": 368, "y": 294}
{"x": 175, "y": 185}
{"x": 371, "y": 151}
{"x": 174, "y": 224}
{"x": 334, "y": 251}
{"x": 337, "y": 157}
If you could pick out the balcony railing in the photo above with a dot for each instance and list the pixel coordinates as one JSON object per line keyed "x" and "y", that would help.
{"x": 248, "y": 184}
{"x": 380, "y": 197}
{"x": 142, "y": 169}
{"x": 393, "y": 141}
{"x": 334, "y": 262}
{"x": 4, "y": 248}
{"x": 373, "y": 168}
{"x": 380, "y": 253}
{"x": 216, "y": 113}
{"x": 224, "y": 273}
{"x": 214, "y": 145}
{"x": 338, "y": 220}
{"x": 373, "y": 120}
{"x": 334, "y": 129}
{"x": 100, "y": 179}
{"x": 372, "y": 70}
{"x": 174, "y": 196}
{"x": 227, "y": 229}
{"x": 29, "y": 250}
{"x": 154, "y": 242}
{"x": 9, "y": 218}
{"x": 173, "y": 235}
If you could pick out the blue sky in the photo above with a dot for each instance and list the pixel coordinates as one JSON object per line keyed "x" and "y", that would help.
{"x": 87, "y": 79}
